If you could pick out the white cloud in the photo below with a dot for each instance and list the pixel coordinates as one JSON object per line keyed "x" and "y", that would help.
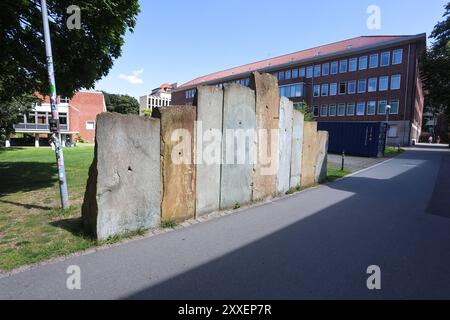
{"x": 134, "y": 77}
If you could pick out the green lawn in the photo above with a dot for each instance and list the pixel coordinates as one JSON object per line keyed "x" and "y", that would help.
{"x": 393, "y": 152}
{"x": 334, "y": 174}
{"x": 32, "y": 228}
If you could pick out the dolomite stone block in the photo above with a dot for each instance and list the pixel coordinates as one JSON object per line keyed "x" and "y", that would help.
{"x": 123, "y": 191}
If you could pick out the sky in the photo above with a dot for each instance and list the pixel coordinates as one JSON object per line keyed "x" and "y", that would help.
{"x": 179, "y": 40}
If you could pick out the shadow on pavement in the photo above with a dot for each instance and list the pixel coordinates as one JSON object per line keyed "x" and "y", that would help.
{"x": 326, "y": 254}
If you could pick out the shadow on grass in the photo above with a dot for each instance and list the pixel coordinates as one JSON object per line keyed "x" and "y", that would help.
{"x": 26, "y": 176}
{"x": 27, "y": 206}
{"x": 73, "y": 225}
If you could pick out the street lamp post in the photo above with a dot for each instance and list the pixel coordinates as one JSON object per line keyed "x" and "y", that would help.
{"x": 54, "y": 121}
{"x": 388, "y": 111}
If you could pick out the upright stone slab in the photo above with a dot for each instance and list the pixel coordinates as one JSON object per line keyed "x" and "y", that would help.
{"x": 309, "y": 159}
{"x": 123, "y": 191}
{"x": 322, "y": 156}
{"x": 237, "y": 148}
{"x": 285, "y": 145}
{"x": 267, "y": 116}
{"x": 177, "y": 163}
{"x": 208, "y": 149}
{"x": 297, "y": 148}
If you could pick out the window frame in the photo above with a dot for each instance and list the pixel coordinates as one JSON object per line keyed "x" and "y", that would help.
{"x": 343, "y": 66}
{"x": 355, "y": 87}
{"x": 394, "y": 52}
{"x": 339, "y": 109}
{"x": 322, "y": 107}
{"x": 374, "y": 108}
{"x": 378, "y": 107}
{"x": 339, "y": 89}
{"x": 399, "y": 76}
{"x": 360, "y": 68}
{"x": 389, "y": 59}
{"x": 327, "y": 87}
{"x": 332, "y": 64}
{"x": 358, "y": 104}
{"x": 330, "y": 108}
{"x": 377, "y": 60}
{"x": 398, "y": 106}
{"x": 365, "y": 86}
{"x": 335, "y": 85}
{"x": 323, "y": 69}
{"x": 355, "y": 60}
{"x": 380, "y": 82}
{"x": 376, "y": 84}
{"x": 354, "y": 108}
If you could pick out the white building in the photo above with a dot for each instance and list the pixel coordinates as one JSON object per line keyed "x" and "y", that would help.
{"x": 159, "y": 97}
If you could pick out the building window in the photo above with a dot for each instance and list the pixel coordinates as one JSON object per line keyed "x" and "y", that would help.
{"x": 317, "y": 70}
{"x": 316, "y": 90}
{"x": 373, "y": 62}
{"x": 363, "y": 63}
{"x": 372, "y": 85}
{"x": 384, "y": 83}
{"x": 275, "y": 74}
{"x": 288, "y": 75}
{"x": 351, "y": 109}
{"x": 362, "y": 86}
{"x": 395, "y": 82}
{"x": 342, "y": 88}
{"x": 281, "y": 76}
{"x": 385, "y": 59}
{"x": 333, "y": 89}
{"x": 41, "y": 118}
{"x": 334, "y": 67}
{"x": 352, "y": 64}
{"x": 371, "y": 107}
{"x": 341, "y": 109}
{"x": 63, "y": 118}
{"x": 292, "y": 91}
{"x": 382, "y": 107}
{"x": 332, "y": 110}
{"x": 324, "y": 89}
{"x": 393, "y": 131}
{"x": 343, "y": 66}
{"x": 397, "y": 56}
{"x": 394, "y": 107}
{"x": 360, "y": 108}
{"x": 316, "y": 111}
{"x": 352, "y": 87}
{"x": 294, "y": 73}
{"x": 64, "y": 100}
{"x": 302, "y": 72}
{"x": 325, "y": 69}
{"x": 324, "y": 110}
{"x": 90, "y": 125}
{"x": 309, "y": 72}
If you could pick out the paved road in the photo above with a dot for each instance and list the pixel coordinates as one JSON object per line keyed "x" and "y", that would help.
{"x": 317, "y": 244}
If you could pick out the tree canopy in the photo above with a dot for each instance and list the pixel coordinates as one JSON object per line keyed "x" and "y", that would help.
{"x": 12, "y": 110}
{"x": 436, "y": 66}
{"x": 81, "y": 56}
{"x": 121, "y": 103}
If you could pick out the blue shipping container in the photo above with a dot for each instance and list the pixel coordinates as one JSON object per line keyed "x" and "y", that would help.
{"x": 365, "y": 139}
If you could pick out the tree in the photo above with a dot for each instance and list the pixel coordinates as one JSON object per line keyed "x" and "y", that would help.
{"x": 121, "y": 103}
{"x": 81, "y": 56}
{"x": 306, "y": 110}
{"x": 436, "y": 66}
{"x": 11, "y": 111}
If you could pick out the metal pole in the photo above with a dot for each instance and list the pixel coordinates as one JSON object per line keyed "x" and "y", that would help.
{"x": 54, "y": 121}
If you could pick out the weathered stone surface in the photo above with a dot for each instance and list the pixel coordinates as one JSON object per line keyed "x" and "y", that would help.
{"x": 237, "y": 167}
{"x": 177, "y": 163}
{"x": 322, "y": 156}
{"x": 297, "y": 148}
{"x": 209, "y": 122}
{"x": 123, "y": 192}
{"x": 309, "y": 159}
{"x": 285, "y": 145}
{"x": 267, "y": 116}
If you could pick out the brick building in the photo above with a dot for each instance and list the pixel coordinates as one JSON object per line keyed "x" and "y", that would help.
{"x": 77, "y": 117}
{"x": 350, "y": 80}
